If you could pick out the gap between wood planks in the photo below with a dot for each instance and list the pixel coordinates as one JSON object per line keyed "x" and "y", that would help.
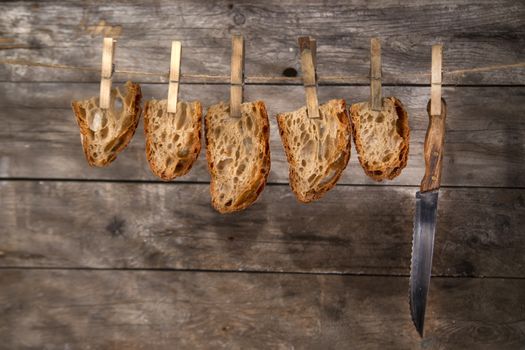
{"x": 189, "y": 182}
{"x": 262, "y": 272}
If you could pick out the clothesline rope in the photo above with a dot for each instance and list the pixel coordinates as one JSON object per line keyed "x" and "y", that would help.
{"x": 255, "y": 79}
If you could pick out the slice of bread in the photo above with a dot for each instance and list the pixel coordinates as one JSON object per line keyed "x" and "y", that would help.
{"x": 381, "y": 138}
{"x": 318, "y": 150}
{"x": 238, "y": 153}
{"x": 173, "y": 140}
{"x": 106, "y": 132}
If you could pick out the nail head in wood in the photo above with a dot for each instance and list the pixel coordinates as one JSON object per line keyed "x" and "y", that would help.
{"x": 237, "y": 76}
{"x": 308, "y": 48}
{"x": 173, "y": 89}
{"x": 435, "y": 87}
{"x": 376, "y": 97}
{"x": 108, "y": 52}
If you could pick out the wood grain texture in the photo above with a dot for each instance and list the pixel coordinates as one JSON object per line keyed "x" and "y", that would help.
{"x": 308, "y": 50}
{"x": 376, "y": 99}
{"x": 237, "y": 76}
{"x": 106, "y": 75}
{"x": 167, "y": 310}
{"x": 329, "y": 275}
{"x": 436, "y": 79}
{"x": 173, "y": 85}
{"x": 477, "y": 34}
{"x": 433, "y": 148}
{"x": 352, "y": 229}
{"x": 39, "y": 137}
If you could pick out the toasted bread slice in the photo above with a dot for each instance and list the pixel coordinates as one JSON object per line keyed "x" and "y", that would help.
{"x": 381, "y": 138}
{"x": 106, "y": 132}
{"x": 318, "y": 150}
{"x": 238, "y": 153}
{"x": 173, "y": 140}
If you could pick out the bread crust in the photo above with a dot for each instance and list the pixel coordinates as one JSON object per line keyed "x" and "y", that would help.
{"x": 334, "y": 170}
{"x": 383, "y": 171}
{"x": 133, "y": 110}
{"x": 253, "y": 188}
{"x": 183, "y": 164}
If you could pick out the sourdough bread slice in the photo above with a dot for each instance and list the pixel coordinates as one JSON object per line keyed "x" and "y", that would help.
{"x": 173, "y": 140}
{"x": 381, "y": 138}
{"x": 238, "y": 153}
{"x": 318, "y": 149}
{"x": 106, "y": 132}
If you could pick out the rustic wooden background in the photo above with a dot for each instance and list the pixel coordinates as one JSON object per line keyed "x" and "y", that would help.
{"x": 115, "y": 259}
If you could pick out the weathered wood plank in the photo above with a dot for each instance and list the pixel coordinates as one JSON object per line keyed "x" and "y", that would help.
{"x": 189, "y": 310}
{"x": 483, "y": 33}
{"x": 351, "y": 230}
{"x": 484, "y": 142}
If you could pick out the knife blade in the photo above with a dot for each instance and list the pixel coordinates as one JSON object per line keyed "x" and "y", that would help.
{"x": 425, "y": 220}
{"x": 422, "y": 249}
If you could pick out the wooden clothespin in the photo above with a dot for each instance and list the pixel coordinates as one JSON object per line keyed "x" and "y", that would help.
{"x": 435, "y": 87}
{"x": 173, "y": 89}
{"x": 376, "y": 98}
{"x": 108, "y": 52}
{"x": 237, "y": 76}
{"x": 308, "y": 48}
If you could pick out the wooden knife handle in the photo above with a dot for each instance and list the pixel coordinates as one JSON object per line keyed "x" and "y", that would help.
{"x": 433, "y": 151}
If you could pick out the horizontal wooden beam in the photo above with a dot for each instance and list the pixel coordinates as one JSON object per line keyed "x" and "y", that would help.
{"x": 205, "y": 29}
{"x": 357, "y": 230}
{"x": 484, "y": 145}
{"x": 188, "y": 310}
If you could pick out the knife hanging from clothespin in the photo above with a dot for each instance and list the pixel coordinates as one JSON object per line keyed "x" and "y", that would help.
{"x": 376, "y": 99}
{"x": 173, "y": 89}
{"x": 108, "y": 53}
{"x": 308, "y": 48}
{"x": 425, "y": 217}
{"x": 237, "y": 76}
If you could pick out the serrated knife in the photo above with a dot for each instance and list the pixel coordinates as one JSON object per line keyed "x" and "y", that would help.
{"x": 427, "y": 198}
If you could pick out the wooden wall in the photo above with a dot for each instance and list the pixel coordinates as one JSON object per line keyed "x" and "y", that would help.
{"x": 115, "y": 259}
